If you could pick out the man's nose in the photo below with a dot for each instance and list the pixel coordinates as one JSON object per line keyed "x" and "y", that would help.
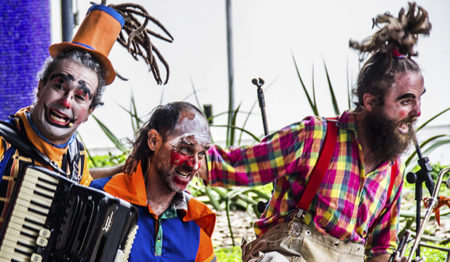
{"x": 416, "y": 111}
{"x": 194, "y": 162}
{"x": 66, "y": 100}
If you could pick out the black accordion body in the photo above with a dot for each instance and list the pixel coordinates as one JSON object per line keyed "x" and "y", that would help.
{"x": 51, "y": 218}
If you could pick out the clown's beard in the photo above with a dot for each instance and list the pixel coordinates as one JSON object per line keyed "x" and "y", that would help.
{"x": 384, "y": 139}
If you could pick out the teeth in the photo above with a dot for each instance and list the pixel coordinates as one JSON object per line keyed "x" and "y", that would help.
{"x": 58, "y": 117}
{"x": 183, "y": 174}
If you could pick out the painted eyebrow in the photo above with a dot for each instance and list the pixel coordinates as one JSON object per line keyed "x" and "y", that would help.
{"x": 64, "y": 76}
{"x": 81, "y": 83}
{"x": 409, "y": 95}
{"x": 84, "y": 88}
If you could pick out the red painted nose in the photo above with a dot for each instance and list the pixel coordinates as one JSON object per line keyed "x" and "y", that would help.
{"x": 66, "y": 103}
{"x": 194, "y": 163}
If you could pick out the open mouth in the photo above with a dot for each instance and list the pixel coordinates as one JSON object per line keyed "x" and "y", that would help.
{"x": 56, "y": 118}
{"x": 186, "y": 175}
{"x": 404, "y": 127}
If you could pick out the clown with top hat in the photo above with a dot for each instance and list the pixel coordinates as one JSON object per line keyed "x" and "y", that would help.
{"x": 71, "y": 84}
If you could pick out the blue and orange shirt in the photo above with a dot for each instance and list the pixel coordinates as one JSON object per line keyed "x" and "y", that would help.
{"x": 182, "y": 233}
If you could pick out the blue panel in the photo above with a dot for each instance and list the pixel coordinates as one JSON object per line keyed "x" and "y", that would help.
{"x": 24, "y": 41}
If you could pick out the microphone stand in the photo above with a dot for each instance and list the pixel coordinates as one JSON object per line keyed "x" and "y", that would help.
{"x": 423, "y": 175}
{"x": 259, "y": 83}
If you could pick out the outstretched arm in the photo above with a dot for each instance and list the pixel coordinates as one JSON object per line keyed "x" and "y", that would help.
{"x": 102, "y": 172}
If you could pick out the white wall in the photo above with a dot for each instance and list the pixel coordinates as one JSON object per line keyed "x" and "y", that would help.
{"x": 266, "y": 35}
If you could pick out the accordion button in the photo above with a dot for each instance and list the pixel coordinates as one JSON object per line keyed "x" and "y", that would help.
{"x": 36, "y": 258}
{"x": 44, "y": 232}
{"x": 42, "y": 242}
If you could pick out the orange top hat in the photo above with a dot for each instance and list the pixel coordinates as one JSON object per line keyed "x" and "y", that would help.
{"x": 97, "y": 35}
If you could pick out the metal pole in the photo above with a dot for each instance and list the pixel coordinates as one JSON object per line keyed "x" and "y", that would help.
{"x": 230, "y": 65}
{"x": 67, "y": 20}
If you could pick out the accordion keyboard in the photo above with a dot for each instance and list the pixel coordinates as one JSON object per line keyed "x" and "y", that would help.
{"x": 54, "y": 219}
{"x": 28, "y": 217}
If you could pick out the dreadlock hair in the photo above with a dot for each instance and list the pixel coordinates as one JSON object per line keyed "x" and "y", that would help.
{"x": 136, "y": 37}
{"x": 163, "y": 119}
{"x": 83, "y": 58}
{"x": 392, "y": 49}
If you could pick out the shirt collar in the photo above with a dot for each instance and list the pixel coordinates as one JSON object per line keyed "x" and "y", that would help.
{"x": 132, "y": 189}
{"x": 347, "y": 120}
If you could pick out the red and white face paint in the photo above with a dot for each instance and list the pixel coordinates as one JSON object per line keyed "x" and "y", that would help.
{"x": 185, "y": 148}
{"x": 63, "y": 101}
{"x": 402, "y": 102}
{"x": 178, "y": 159}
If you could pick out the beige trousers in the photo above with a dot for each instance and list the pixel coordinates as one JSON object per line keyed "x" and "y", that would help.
{"x": 295, "y": 241}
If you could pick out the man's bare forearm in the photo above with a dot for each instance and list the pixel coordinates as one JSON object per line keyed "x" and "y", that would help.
{"x": 102, "y": 172}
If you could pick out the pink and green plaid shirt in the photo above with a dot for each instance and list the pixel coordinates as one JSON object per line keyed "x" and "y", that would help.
{"x": 348, "y": 202}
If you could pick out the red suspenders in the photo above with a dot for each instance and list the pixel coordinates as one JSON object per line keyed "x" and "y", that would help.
{"x": 322, "y": 165}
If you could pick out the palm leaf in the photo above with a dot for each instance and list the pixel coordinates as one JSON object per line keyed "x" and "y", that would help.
{"x": 333, "y": 96}
{"x": 413, "y": 157}
{"x": 241, "y": 129}
{"x": 310, "y": 101}
{"x": 195, "y": 94}
{"x": 119, "y": 145}
{"x": 314, "y": 91}
{"x": 87, "y": 151}
{"x": 349, "y": 88}
{"x": 231, "y": 127}
{"x": 432, "y": 118}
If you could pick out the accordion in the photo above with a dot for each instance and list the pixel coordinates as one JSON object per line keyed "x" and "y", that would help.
{"x": 51, "y": 218}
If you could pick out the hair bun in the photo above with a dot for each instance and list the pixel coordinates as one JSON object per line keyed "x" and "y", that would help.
{"x": 400, "y": 33}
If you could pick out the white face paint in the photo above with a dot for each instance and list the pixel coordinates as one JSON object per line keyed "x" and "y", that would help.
{"x": 191, "y": 128}
{"x": 63, "y": 101}
{"x": 183, "y": 151}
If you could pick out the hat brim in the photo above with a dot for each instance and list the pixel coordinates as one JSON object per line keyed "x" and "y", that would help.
{"x": 110, "y": 73}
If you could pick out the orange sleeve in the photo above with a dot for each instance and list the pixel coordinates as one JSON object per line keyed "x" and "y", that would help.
{"x": 205, "y": 251}
{"x": 87, "y": 178}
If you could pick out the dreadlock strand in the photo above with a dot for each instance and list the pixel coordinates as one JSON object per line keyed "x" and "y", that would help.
{"x": 135, "y": 37}
{"x": 156, "y": 22}
{"x": 155, "y": 71}
{"x": 164, "y": 62}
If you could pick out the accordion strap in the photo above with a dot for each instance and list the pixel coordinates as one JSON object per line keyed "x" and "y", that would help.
{"x": 22, "y": 143}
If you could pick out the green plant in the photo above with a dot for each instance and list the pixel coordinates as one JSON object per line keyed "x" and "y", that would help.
{"x": 231, "y": 254}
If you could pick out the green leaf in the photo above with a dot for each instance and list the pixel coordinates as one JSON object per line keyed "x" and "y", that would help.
{"x": 94, "y": 163}
{"x": 432, "y": 118}
{"x": 349, "y": 89}
{"x": 434, "y": 144}
{"x": 195, "y": 94}
{"x": 231, "y": 128}
{"x": 119, "y": 145}
{"x": 311, "y": 103}
{"x": 314, "y": 92}
{"x": 333, "y": 96}
{"x": 239, "y": 128}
